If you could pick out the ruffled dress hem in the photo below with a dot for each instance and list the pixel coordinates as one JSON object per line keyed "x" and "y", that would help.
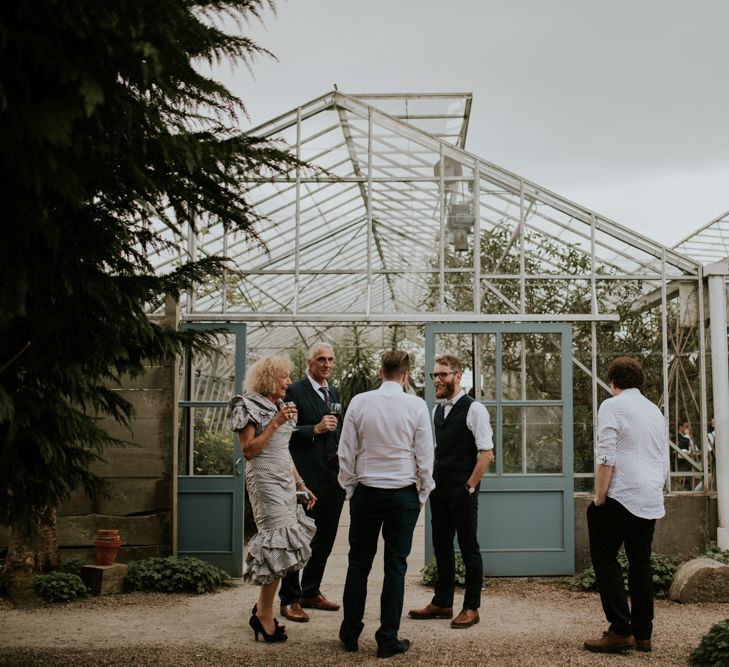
{"x": 276, "y": 552}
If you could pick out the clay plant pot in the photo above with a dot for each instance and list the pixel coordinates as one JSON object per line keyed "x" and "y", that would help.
{"x": 106, "y": 546}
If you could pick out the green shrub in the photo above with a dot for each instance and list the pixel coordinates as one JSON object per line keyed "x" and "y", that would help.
{"x": 169, "y": 575}
{"x": 73, "y": 565}
{"x": 430, "y": 573}
{"x": 663, "y": 568}
{"x": 59, "y": 587}
{"x": 717, "y": 554}
{"x": 713, "y": 650}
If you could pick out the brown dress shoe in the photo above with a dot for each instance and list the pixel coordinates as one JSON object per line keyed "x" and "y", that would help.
{"x": 643, "y": 645}
{"x": 294, "y": 612}
{"x": 465, "y": 619}
{"x": 611, "y": 642}
{"x": 319, "y": 602}
{"x": 431, "y": 611}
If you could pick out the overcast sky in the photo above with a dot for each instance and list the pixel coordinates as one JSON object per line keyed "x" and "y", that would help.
{"x": 619, "y": 105}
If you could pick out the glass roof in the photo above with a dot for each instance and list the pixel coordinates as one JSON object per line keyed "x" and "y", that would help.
{"x": 710, "y": 243}
{"x": 383, "y": 226}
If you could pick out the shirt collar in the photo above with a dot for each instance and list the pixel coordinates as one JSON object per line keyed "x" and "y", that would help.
{"x": 391, "y": 387}
{"x": 315, "y": 384}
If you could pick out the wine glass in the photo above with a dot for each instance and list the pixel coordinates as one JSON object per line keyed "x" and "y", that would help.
{"x": 295, "y": 418}
{"x": 336, "y": 410}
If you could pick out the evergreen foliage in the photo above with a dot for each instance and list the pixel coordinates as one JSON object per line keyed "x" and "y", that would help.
{"x": 713, "y": 650}
{"x": 722, "y": 555}
{"x": 170, "y": 575}
{"x": 429, "y": 574}
{"x": 112, "y": 141}
{"x": 662, "y": 567}
{"x": 355, "y": 367}
{"x": 59, "y": 587}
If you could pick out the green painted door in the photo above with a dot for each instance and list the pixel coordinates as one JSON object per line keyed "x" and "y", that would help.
{"x": 522, "y": 373}
{"x": 210, "y": 493}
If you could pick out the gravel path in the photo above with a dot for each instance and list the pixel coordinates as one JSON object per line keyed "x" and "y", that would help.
{"x": 524, "y": 622}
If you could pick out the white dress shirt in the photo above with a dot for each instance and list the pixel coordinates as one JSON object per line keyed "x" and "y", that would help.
{"x": 316, "y": 386}
{"x": 386, "y": 442}
{"x": 477, "y": 421}
{"x": 631, "y": 437}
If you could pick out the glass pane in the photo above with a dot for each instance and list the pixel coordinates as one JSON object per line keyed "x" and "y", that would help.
{"x": 531, "y": 367}
{"x": 485, "y": 354}
{"x": 532, "y": 440}
{"x": 210, "y": 378}
{"x": 205, "y": 445}
{"x": 460, "y": 345}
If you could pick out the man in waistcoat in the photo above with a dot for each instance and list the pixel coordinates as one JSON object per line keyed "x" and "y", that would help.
{"x": 463, "y": 451}
{"x": 314, "y": 450}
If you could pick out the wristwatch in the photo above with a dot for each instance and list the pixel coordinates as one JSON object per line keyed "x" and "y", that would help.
{"x": 471, "y": 489}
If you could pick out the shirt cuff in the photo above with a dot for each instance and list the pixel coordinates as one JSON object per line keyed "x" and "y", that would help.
{"x": 605, "y": 457}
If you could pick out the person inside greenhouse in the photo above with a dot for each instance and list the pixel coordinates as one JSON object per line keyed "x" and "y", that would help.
{"x": 463, "y": 451}
{"x": 313, "y": 447}
{"x": 632, "y": 465}
{"x": 276, "y": 490}
{"x": 685, "y": 443}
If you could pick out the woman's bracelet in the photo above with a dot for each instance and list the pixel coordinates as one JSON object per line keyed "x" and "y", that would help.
{"x": 300, "y": 482}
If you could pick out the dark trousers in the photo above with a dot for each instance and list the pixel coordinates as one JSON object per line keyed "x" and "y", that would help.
{"x": 325, "y": 513}
{"x": 454, "y": 512}
{"x": 609, "y": 527}
{"x": 395, "y": 511}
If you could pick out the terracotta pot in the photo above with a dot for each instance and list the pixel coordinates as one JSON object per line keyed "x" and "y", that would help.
{"x": 106, "y": 546}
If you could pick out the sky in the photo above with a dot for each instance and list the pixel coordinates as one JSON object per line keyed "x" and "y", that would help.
{"x": 619, "y": 105}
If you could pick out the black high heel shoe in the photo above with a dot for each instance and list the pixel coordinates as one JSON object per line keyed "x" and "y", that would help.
{"x": 278, "y": 635}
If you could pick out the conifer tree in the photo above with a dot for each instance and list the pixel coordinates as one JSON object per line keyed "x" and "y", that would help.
{"x": 112, "y": 139}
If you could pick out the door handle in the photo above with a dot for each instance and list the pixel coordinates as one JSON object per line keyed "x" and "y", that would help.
{"x": 236, "y": 466}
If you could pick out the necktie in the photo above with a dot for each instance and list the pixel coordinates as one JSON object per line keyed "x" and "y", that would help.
{"x": 325, "y": 393}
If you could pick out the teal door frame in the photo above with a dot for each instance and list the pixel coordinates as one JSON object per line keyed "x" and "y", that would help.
{"x": 210, "y": 507}
{"x": 526, "y": 521}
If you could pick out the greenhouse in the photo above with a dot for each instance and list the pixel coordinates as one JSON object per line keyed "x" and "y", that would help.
{"x": 395, "y": 235}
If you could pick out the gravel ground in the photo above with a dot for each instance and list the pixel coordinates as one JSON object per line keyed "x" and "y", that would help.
{"x": 524, "y": 622}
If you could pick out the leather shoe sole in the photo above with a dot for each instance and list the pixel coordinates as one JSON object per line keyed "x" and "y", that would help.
{"x": 643, "y": 645}
{"x": 294, "y": 615}
{"x": 393, "y": 649}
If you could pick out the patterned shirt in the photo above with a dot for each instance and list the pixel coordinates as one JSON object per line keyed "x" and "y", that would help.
{"x": 631, "y": 437}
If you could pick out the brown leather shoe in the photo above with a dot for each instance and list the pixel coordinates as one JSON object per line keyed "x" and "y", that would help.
{"x": 431, "y": 611}
{"x": 465, "y": 619}
{"x": 294, "y": 612}
{"x": 643, "y": 645}
{"x": 319, "y": 602}
{"x": 611, "y": 642}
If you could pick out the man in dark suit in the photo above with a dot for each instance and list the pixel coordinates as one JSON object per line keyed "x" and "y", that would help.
{"x": 314, "y": 450}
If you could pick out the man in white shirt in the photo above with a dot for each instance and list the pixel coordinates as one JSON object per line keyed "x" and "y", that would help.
{"x": 632, "y": 465}
{"x": 385, "y": 468}
{"x": 464, "y": 450}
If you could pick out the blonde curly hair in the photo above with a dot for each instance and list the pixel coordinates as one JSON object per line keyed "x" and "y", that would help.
{"x": 264, "y": 375}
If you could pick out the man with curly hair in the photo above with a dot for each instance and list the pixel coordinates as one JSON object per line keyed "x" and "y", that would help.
{"x": 632, "y": 465}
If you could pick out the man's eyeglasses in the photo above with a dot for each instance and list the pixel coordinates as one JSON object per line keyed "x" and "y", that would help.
{"x": 441, "y": 375}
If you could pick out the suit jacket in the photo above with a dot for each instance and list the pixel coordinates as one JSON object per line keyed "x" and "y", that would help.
{"x": 315, "y": 456}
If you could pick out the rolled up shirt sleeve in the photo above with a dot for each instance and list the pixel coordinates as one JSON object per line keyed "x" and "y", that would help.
{"x": 477, "y": 421}
{"x": 347, "y": 452}
{"x": 424, "y": 451}
{"x": 607, "y": 435}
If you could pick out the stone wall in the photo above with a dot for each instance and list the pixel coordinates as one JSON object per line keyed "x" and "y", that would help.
{"x": 143, "y": 474}
{"x": 685, "y": 532}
